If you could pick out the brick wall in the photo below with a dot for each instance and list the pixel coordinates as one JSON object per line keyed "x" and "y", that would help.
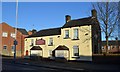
{"x": 8, "y": 41}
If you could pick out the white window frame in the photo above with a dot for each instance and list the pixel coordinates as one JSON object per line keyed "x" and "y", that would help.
{"x": 76, "y": 33}
{"x": 13, "y": 35}
{"x": 50, "y": 41}
{"x": 4, "y": 46}
{"x": 77, "y": 48}
{"x": 66, "y": 34}
{"x": 5, "y": 34}
{"x": 32, "y": 42}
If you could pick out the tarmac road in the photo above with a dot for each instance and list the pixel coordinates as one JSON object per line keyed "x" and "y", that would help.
{"x": 15, "y": 67}
{"x": 53, "y": 66}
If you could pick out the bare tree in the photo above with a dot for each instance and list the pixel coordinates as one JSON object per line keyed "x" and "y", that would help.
{"x": 119, "y": 20}
{"x": 108, "y": 17}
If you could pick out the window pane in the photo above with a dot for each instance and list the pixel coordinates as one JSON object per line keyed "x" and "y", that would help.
{"x": 75, "y": 33}
{"x": 51, "y": 41}
{"x": 75, "y": 50}
{"x": 4, "y": 34}
{"x": 12, "y": 48}
{"x": 4, "y": 47}
{"x": 32, "y": 42}
{"x": 66, "y": 33}
{"x": 13, "y": 35}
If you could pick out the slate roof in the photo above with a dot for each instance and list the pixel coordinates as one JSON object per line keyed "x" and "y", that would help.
{"x": 79, "y": 22}
{"x": 36, "y": 48}
{"x": 57, "y": 31}
{"x": 46, "y": 32}
{"x": 23, "y": 31}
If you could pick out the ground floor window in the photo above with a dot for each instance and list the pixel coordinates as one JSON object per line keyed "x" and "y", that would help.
{"x": 75, "y": 50}
{"x": 12, "y": 48}
{"x": 5, "y": 47}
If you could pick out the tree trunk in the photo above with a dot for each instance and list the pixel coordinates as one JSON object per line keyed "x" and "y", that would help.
{"x": 106, "y": 44}
{"x": 106, "y": 21}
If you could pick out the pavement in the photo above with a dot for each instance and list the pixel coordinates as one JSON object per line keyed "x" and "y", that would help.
{"x": 75, "y": 66}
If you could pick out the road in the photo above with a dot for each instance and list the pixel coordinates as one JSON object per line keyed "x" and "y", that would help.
{"x": 24, "y": 67}
{"x": 15, "y": 67}
{"x": 45, "y": 66}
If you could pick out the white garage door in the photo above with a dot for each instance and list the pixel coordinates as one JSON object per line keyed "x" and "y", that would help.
{"x": 36, "y": 52}
{"x": 61, "y": 53}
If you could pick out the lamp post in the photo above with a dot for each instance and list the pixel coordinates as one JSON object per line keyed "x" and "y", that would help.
{"x": 15, "y": 41}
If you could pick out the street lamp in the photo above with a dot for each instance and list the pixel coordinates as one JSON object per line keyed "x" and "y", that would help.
{"x": 15, "y": 41}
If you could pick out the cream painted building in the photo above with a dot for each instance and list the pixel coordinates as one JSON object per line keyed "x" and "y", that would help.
{"x": 77, "y": 39}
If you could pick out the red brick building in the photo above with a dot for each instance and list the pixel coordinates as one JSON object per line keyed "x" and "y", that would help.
{"x": 8, "y": 36}
{"x": 113, "y": 46}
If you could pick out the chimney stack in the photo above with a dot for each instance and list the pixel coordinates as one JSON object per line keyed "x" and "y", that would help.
{"x": 34, "y": 31}
{"x": 94, "y": 13}
{"x": 67, "y": 18}
{"x": 30, "y": 32}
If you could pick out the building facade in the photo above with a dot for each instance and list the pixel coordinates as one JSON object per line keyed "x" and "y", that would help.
{"x": 113, "y": 46}
{"x": 77, "y": 39}
{"x": 8, "y": 36}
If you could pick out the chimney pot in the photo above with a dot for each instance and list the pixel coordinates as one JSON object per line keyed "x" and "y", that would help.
{"x": 67, "y": 18}
{"x": 94, "y": 13}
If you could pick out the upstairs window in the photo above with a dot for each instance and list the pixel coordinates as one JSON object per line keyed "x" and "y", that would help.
{"x": 66, "y": 34}
{"x": 75, "y": 50}
{"x": 4, "y": 34}
{"x": 13, "y": 35}
{"x": 32, "y": 42}
{"x": 4, "y": 47}
{"x": 50, "y": 42}
{"x": 75, "y": 34}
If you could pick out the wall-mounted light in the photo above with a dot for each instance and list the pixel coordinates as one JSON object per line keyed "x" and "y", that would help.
{"x": 58, "y": 36}
{"x": 86, "y": 34}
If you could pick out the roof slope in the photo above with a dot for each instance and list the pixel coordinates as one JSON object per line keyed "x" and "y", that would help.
{"x": 72, "y": 23}
{"x": 79, "y": 22}
{"x": 62, "y": 48}
{"x": 23, "y": 31}
{"x": 36, "y": 48}
{"x": 46, "y": 32}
